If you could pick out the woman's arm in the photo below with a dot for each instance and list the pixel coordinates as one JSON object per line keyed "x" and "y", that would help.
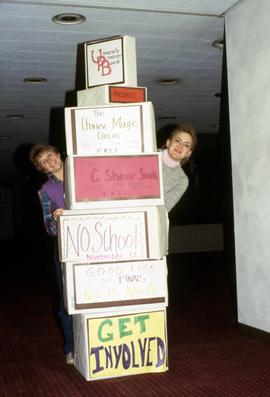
{"x": 48, "y": 208}
{"x": 175, "y": 192}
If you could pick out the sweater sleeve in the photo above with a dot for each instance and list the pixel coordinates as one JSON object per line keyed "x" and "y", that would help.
{"x": 175, "y": 183}
{"x": 175, "y": 192}
{"x": 48, "y": 207}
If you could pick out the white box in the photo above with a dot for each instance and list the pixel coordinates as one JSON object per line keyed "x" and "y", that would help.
{"x": 110, "y": 60}
{"x": 113, "y": 235}
{"x": 107, "y": 94}
{"x": 120, "y": 344}
{"x": 95, "y": 287}
{"x": 113, "y": 181}
{"x": 109, "y": 130}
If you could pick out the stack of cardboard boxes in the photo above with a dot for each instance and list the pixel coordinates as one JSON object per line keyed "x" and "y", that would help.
{"x": 113, "y": 239}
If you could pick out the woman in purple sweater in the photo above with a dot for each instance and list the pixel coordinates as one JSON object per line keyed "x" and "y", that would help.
{"x": 47, "y": 159}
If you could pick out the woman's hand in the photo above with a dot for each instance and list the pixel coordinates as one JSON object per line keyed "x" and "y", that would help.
{"x": 57, "y": 213}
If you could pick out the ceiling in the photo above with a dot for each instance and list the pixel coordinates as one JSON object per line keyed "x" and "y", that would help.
{"x": 173, "y": 40}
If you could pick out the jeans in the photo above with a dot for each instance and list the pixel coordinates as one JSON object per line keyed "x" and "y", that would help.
{"x": 64, "y": 318}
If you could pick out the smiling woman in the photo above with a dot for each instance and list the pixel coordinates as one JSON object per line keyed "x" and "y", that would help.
{"x": 51, "y": 163}
{"x": 179, "y": 147}
{"x": 47, "y": 159}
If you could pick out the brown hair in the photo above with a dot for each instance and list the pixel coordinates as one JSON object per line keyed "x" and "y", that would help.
{"x": 37, "y": 151}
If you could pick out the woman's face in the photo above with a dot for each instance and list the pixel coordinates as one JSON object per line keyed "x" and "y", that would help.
{"x": 180, "y": 146}
{"x": 50, "y": 162}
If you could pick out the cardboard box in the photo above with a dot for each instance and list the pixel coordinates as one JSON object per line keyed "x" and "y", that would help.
{"x": 110, "y": 60}
{"x": 107, "y": 94}
{"x": 95, "y": 287}
{"x": 110, "y": 130}
{"x": 113, "y": 181}
{"x": 120, "y": 344}
{"x": 113, "y": 235}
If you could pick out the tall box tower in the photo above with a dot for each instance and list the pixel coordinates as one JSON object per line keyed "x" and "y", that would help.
{"x": 113, "y": 238}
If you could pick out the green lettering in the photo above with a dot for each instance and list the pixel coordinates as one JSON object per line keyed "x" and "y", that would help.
{"x": 123, "y": 327}
{"x": 109, "y": 336}
{"x": 141, "y": 321}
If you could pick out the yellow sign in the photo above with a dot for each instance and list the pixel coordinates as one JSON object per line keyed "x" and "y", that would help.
{"x": 127, "y": 345}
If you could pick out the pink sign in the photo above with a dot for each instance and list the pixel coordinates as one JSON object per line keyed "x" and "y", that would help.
{"x": 116, "y": 177}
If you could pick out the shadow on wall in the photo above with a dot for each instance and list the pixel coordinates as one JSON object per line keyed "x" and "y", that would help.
{"x": 24, "y": 165}
{"x": 57, "y": 130}
{"x": 30, "y": 237}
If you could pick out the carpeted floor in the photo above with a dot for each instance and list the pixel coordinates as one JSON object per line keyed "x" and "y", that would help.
{"x": 207, "y": 357}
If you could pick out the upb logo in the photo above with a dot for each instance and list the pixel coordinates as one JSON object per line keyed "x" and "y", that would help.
{"x": 102, "y": 62}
